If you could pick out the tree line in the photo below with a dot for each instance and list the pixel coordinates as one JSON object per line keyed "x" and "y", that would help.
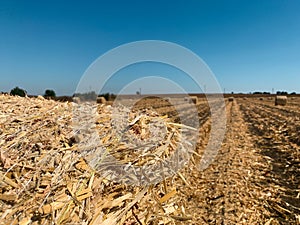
{"x": 17, "y": 91}
{"x": 90, "y": 96}
{"x": 21, "y": 92}
{"x": 277, "y": 93}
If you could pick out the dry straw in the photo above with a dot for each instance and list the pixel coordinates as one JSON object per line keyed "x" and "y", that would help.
{"x": 281, "y": 100}
{"x": 44, "y": 178}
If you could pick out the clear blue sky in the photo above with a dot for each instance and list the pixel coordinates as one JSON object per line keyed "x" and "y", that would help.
{"x": 249, "y": 45}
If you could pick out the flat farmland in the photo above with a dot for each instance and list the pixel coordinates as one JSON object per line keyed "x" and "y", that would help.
{"x": 46, "y": 178}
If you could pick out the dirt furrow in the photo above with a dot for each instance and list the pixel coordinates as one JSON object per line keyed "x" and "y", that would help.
{"x": 226, "y": 192}
{"x": 282, "y": 158}
{"x": 290, "y": 108}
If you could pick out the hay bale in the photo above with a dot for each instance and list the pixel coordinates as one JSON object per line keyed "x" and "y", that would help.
{"x": 280, "y": 100}
{"x": 40, "y": 97}
{"x": 193, "y": 99}
{"x": 168, "y": 99}
{"x": 231, "y": 99}
{"x": 76, "y": 100}
{"x": 101, "y": 100}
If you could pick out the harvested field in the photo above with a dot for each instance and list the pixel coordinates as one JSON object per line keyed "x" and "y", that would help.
{"x": 46, "y": 178}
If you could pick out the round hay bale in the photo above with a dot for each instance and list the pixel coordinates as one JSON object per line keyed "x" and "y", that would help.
{"x": 101, "y": 100}
{"x": 76, "y": 100}
{"x": 168, "y": 99}
{"x": 40, "y": 97}
{"x": 193, "y": 99}
{"x": 281, "y": 100}
{"x": 231, "y": 99}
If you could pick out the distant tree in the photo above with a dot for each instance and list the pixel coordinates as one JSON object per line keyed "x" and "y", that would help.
{"x": 18, "y": 91}
{"x": 112, "y": 96}
{"x": 266, "y": 93}
{"x": 108, "y": 96}
{"x": 281, "y": 92}
{"x": 50, "y": 93}
{"x": 92, "y": 96}
{"x": 293, "y": 93}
